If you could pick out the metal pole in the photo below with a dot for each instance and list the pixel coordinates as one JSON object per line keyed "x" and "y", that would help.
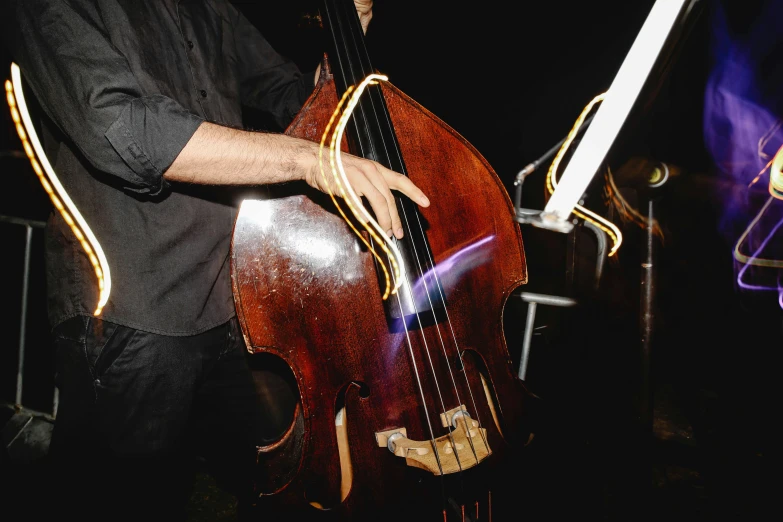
{"x": 531, "y": 320}
{"x": 600, "y": 255}
{"x": 532, "y": 301}
{"x": 546, "y": 299}
{"x": 646, "y": 316}
{"x": 23, "y": 320}
{"x": 55, "y": 401}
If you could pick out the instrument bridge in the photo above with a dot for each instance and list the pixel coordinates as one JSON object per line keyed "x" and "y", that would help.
{"x": 463, "y": 448}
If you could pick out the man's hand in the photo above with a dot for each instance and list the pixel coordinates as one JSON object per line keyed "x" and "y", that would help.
{"x": 364, "y": 9}
{"x": 373, "y": 181}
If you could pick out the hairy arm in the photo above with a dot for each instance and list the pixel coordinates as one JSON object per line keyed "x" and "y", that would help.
{"x": 218, "y": 155}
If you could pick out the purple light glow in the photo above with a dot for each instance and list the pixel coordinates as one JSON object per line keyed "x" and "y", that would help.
{"x": 743, "y": 102}
{"x": 448, "y": 272}
{"x": 743, "y": 105}
{"x": 451, "y": 270}
{"x": 746, "y": 286}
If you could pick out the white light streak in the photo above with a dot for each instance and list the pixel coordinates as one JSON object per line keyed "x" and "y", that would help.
{"x": 54, "y": 188}
{"x": 611, "y": 115}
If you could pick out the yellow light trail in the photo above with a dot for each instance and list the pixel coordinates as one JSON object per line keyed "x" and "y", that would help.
{"x": 51, "y": 184}
{"x": 334, "y": 199}
{"x": 347, "y": 192}
{"x": 551, "y": 182}
{"x": 776, "y": 175}
{"x": 775, "y": 165}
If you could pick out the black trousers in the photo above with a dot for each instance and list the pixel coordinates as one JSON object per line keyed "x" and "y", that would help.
{"x": 134, "y": 409}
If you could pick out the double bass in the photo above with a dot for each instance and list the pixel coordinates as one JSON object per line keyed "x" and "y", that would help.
{"x": 406, "y": 407}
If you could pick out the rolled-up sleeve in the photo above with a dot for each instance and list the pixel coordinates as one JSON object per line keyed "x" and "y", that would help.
{"x": 84, "y": 84}
{"x": 268, "y": 81}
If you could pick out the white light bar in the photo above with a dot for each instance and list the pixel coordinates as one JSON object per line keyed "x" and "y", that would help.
{"x": 55, "y": 189}
{"x": 611, "y": 115}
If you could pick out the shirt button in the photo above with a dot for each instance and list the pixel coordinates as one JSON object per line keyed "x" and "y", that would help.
{"x": 190, "y": 44}
{"x": 203, "y": 93}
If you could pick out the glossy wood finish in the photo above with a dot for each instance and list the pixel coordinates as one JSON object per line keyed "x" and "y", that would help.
{"x": 306, "y": 290}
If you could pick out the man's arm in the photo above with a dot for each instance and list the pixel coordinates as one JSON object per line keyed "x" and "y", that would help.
{"x": 217, "y": 155}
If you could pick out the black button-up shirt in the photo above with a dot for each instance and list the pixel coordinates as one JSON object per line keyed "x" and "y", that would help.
{"x": 124, "y": 84}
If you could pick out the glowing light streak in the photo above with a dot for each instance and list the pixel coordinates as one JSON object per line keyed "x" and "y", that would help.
{"x": 776, "y": 191}
{"x": 336, "y": 112}
{"x": 754, "y": 260}
{"x": 551, "y": 181}
{"x": 776, "y": 175}
{"x": 467, "y": 253}
{"x": 54, "y": 189}
{"x": 347, "y": 192}
{"x": 620, "y": 98}
{"x": 347, "y": 93}
{"x": 761, "y": 173}
{"x": 766, "y": 138}
{"x": 626, "y": 211}
{"x": 746, "y": 286}
{"x": 453, "y": 267}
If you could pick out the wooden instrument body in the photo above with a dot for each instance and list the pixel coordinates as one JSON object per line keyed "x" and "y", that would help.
{"x": 307, "y": 292}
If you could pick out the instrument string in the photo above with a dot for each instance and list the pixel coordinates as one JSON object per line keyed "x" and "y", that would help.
{"x": 351, "y": 76}
{"x": 360, "y": 46}
{"x": 367, "y": 114}
{"x": 424, "y": 269}
{"x": 438, "y": 285}
{"x": 434, "y": 271}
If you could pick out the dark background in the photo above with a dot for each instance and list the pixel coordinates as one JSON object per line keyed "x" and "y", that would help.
{"x": 512, "y": 77}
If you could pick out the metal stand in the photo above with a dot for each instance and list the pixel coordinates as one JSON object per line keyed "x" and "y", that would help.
{"x": 646, "y": 319}
{"x": 533, "y": 300}
{"x": 649, "y": 190}
{"x": 527, "y": 216}
{"x": 533, "y": 166}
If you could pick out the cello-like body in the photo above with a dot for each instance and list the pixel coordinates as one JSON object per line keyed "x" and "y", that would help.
{"x": 307, "y": 291}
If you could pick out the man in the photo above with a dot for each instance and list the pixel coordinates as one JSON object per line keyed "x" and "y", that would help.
{"x": 142, "y": 103}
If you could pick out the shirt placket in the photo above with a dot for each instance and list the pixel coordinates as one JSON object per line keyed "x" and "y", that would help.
{"x": 199, "y": 78}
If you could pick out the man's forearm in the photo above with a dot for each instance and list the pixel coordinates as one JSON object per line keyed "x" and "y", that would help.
{"x": 217, "y": 155}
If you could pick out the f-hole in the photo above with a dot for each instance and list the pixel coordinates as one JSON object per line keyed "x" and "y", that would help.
{"x": 471, "y": 356}
{"x": 341, "y": 433}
